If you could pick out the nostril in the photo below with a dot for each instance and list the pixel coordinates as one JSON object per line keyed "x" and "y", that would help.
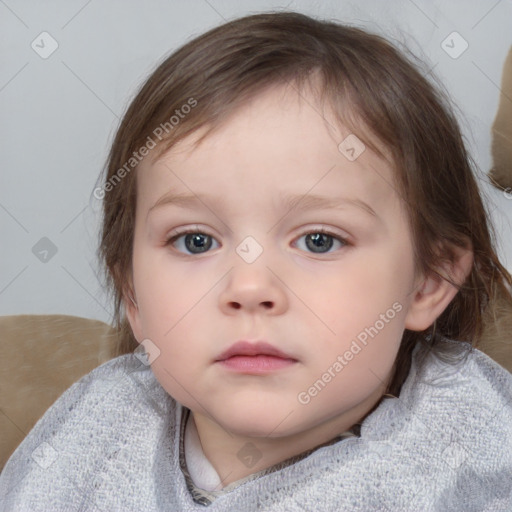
{"x": 266, "y": 305}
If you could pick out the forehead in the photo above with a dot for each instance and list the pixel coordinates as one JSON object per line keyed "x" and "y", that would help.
{"x": 280, "y": 141}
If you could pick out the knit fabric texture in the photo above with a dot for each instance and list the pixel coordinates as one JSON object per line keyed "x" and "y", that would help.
{"x": 112, "y": 442}
{"x": 197, "y": 468}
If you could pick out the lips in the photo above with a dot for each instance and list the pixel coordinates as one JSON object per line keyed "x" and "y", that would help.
{"x": 247, "y": 348}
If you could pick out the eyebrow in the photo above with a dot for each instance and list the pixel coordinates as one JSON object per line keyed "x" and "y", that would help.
{"x": 290, "y": 202}
{"x": 312, "y": 201}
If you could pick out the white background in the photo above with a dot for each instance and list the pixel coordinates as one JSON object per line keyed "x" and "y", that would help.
{"x": 59, "y": 115}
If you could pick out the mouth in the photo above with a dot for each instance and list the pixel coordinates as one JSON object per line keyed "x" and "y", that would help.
{"x": 254, "y": 358}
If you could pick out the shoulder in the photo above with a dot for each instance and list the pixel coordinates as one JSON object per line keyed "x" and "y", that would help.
{"x": 467, "y": 392}
{"x": 468, "y": 378}
{"x": 114, "y": 406}
{"x": 452, "y": 422}
{"x": 448, "y": 435}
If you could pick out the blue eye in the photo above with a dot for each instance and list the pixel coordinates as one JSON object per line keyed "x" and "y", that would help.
{"x": 321, "y": 241}
{"x": 196, "y": 242}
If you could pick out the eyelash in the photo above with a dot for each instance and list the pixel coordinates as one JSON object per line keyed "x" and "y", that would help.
{"x": 178, "y": 234}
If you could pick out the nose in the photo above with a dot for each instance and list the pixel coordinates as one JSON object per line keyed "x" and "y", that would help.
{"x": 253, "y": 288}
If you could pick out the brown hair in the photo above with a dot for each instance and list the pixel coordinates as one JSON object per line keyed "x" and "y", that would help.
{"x": 386, "y": 95}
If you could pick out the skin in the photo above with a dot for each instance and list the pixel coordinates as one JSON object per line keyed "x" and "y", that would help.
{"x": 311, "y": 305}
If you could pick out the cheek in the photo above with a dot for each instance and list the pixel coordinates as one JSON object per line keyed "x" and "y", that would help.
{"x": 165, "y": 294}
{"x": 175, "y": 378}
{"x": 357, "y": 292}
{"x": 169, "y": 301}
{"x": 365, "y": 341}
{"x": 182, "y": 358}
{"x": 359, "y": 311}
{"x": 354, "y": 365}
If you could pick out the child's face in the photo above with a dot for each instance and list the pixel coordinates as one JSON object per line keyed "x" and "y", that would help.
{"x": 310, "y": 301}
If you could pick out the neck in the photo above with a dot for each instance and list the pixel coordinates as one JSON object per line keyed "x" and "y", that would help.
{"x": 236, "y": 456}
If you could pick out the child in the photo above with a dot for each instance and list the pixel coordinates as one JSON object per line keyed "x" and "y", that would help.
{"x": 294, "y": 235}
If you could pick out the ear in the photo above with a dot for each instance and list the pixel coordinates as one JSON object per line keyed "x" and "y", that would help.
{"x": 132, "y": 312}
{"x": 434, "y": 294}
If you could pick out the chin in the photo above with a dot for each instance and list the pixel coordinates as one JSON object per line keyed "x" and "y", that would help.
{"x": 266, "y": 423}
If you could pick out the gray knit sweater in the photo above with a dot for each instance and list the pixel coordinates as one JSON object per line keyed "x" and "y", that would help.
{"x": 112, "y": 443}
